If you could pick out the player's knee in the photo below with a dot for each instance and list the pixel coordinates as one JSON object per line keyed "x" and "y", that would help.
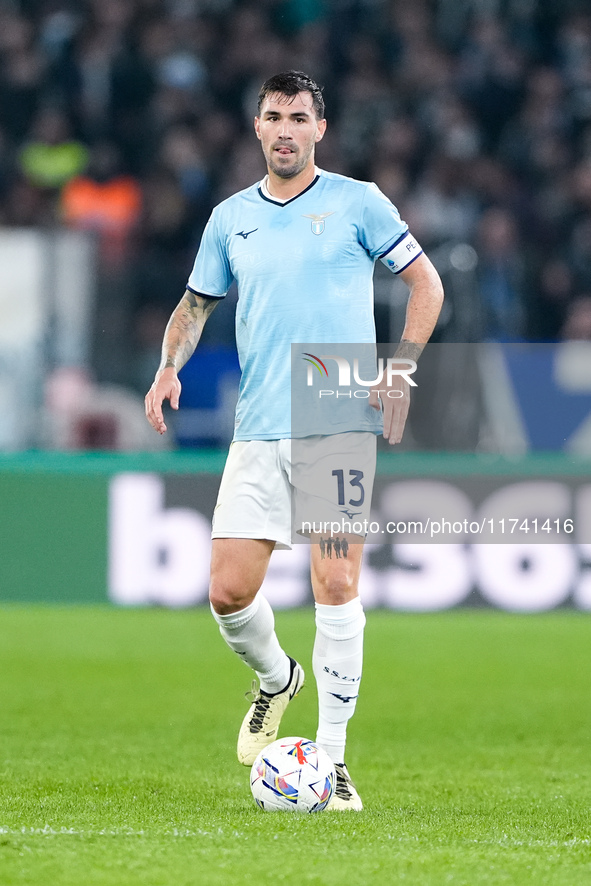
{"x": 222, "y": 600}
{"x": 336, "y": 589}
{"x": 225, "y": 598}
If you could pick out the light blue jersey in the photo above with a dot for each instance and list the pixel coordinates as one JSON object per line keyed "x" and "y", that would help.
{"x": 304, "y": 272}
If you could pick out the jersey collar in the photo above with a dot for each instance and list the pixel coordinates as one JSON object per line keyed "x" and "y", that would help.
{"x": 264, "y": 193}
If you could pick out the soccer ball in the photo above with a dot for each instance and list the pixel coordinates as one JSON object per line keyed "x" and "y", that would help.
{"x": 292, "y": 775}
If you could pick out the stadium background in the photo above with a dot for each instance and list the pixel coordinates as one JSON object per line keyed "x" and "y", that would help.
{"x": 122, "y": 122}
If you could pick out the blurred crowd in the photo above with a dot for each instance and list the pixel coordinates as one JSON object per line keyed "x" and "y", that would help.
{"x": 132, "y": 118}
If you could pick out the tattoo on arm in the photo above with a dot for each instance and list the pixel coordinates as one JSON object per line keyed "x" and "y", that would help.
{"x": 184, "y": 329}
{"x": 409, "y": 350}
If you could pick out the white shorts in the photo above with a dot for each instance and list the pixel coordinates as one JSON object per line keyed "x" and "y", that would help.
{"x": 287, "y": 490}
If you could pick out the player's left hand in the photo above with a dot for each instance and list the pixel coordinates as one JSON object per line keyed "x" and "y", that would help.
{"x": 394, "y": 403}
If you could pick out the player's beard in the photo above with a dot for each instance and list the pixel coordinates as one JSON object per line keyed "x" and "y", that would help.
{"x": 290, "y": 171}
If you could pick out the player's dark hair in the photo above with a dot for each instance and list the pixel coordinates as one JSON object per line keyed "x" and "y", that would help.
{"x": 290, "y": 83}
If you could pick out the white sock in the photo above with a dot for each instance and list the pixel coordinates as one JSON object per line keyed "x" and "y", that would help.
{"x": 251, "y": 634}
{"x": 337, "y": 661}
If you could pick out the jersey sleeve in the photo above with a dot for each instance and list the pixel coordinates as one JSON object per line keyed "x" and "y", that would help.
{"x": 211, "y": 274}
{"x": 383, "y": 233}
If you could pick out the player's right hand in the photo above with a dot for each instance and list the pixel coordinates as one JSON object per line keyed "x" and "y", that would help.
{"x": 166, "y": 386}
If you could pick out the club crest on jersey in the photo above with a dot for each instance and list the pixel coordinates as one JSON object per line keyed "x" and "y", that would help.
{"x": 318, "y": 222}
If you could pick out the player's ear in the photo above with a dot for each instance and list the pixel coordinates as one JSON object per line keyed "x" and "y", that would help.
{"x": 257, "y": 127}
{"x": 321, "y": 129}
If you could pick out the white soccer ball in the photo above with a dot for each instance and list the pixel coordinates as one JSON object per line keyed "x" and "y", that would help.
{"x": 292, "y": 775}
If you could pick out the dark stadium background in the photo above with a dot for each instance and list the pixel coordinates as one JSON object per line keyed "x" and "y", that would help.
{"x": 123, "y": 122}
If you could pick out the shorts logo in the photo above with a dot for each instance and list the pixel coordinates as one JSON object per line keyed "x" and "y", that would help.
{"x": 318, "y": 222}
{"x": 350, "y": 514}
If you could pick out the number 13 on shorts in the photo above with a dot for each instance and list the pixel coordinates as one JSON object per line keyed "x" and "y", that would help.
{"x": 332, "y": 477}
{"x": 355, "y": 478}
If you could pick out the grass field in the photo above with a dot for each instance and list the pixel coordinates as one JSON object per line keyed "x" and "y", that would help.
{"x": 471, "y": 749}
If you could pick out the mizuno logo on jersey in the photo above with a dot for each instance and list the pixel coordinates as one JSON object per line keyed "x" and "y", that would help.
{"x": 318, "y": 221}
{"x": 245, "y": 234}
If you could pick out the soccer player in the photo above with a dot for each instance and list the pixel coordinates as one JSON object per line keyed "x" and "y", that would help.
{"x": 301, "y": 245}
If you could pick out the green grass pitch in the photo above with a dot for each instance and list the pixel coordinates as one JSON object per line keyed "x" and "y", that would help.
{"x": 471, "y": 749}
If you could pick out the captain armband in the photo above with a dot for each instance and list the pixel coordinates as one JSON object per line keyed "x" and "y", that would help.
{"x": 402, "y": 253}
